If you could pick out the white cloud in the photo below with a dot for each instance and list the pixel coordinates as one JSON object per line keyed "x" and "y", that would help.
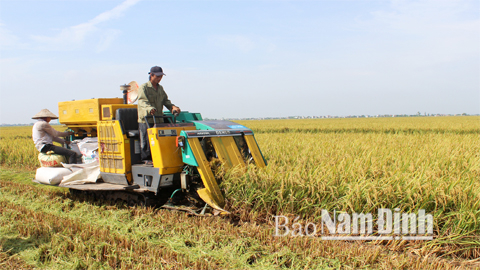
{"x": 116, "y": 12}
{"x": 73, "y": 37}
{"x": 107, "y": 39}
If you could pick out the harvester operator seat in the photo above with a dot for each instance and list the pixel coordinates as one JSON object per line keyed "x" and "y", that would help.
{"x": 129, "y": 121}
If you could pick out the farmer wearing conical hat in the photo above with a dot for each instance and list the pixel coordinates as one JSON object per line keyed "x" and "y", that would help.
{"x": 44, "y": 135}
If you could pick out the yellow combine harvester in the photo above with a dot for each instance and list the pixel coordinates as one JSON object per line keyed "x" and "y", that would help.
{"x": 182, "y": 148}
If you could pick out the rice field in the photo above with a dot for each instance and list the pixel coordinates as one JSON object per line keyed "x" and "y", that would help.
{"x": 360, "y": 165}
{"x": 347, "y": 165}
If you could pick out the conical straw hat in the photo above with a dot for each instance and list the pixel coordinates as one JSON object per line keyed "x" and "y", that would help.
{"x": 44, "y": 113}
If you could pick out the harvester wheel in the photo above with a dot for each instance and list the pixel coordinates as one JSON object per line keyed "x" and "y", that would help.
{"x": 132, "y": 203}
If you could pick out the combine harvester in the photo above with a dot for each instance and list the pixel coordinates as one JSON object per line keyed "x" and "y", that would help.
{"x": 182, "y": 146}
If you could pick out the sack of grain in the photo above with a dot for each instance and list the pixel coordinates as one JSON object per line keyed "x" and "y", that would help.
{"x": 74, "y": 147}
{"x": 89, "y": 149}
{"x": 51, "y": 160}
{"x": 52, "y": 175}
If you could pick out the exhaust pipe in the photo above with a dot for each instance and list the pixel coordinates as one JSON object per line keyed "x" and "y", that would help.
{"x": 125, "y": 88}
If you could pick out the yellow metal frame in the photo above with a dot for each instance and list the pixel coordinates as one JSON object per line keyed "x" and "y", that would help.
{"x": 114, "y": 149}
{"x": 211, "y": 194}
{"x": 83, "y": 112}
{"x": 165, "y": 154}
{"x": 253, "y": 146}
{"x": 109, "y": 110}
{"x": 227, "y": 151}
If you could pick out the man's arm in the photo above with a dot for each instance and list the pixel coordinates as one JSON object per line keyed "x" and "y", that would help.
{"x": 59, "y": 140}
{"x": 54, "y": 133}
{"x": 175, "y": 108}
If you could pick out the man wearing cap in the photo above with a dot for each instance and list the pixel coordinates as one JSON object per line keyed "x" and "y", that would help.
{"x": 151, "y": 99}
{"x": 44, "y": 135}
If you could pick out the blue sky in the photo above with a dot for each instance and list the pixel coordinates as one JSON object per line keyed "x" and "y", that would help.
{"x": 245, "y": 58}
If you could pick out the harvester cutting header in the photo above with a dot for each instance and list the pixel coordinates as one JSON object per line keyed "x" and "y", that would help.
{"x": 181, "y": 144}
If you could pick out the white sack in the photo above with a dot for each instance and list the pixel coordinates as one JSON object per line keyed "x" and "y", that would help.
{"x": 77, "y": 167}
{"x": 51, "y": 175}
{"x": 83, "y": 173}
{"x": 74, "y": 147}
{"x": 89, "y": 149}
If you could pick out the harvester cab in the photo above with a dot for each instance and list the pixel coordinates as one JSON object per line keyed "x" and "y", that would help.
{"x": 184, "y": 151}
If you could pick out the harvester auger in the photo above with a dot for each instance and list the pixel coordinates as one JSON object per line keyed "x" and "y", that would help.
{"x": 182, "y": 147}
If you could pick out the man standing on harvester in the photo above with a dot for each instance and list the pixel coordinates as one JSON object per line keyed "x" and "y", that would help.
{"x": 151, "y": 99}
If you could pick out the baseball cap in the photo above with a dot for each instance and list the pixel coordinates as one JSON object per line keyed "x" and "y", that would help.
{"x": 158, "y": 71}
